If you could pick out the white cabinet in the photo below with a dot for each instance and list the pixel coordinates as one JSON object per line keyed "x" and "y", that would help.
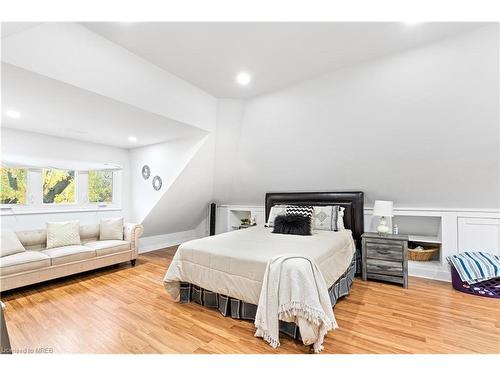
{"x": 479, "y": 234}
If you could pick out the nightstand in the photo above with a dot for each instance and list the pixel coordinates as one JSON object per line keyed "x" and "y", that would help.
{"x": 385, "y": 257}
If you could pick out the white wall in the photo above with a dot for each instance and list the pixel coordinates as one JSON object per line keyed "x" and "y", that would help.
{"x": 229, "y": 117}
{"x": 39, "y": 146}
{"x": 166, "y": 160}
{"x": 420, "y": 128}
{"x": 183, "y": 206}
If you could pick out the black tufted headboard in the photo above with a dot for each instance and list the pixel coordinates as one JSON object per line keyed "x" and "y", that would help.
{"x": 352, "y": 201}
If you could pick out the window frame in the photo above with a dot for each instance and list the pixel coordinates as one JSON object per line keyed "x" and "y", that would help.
{"x": 34, "y": 195}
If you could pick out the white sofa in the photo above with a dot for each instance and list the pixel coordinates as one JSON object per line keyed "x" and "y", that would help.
{"x": 37, "y": 263}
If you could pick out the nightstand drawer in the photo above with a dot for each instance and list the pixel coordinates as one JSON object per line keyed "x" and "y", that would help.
{"x": 392, "y": 279}
{"x": 384, "y": 251}
{"x": 384, "y": 267}
{"x": 373, "y": 242}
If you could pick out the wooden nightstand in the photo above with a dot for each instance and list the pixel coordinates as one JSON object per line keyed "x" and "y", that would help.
{"x": 385, "y": 257}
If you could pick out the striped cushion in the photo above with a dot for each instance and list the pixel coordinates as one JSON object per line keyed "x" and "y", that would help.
{"x": 474, "y": 267}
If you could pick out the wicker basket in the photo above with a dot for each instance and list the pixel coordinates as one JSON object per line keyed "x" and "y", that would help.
{"x": 422, "y": 255}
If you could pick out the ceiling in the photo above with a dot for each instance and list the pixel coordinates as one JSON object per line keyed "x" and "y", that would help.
{"x": 209, "y": 55}
{"x": 104, "y": 82}
{"x": 52, "y": 107}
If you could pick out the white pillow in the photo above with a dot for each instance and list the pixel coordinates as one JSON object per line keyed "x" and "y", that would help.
{"x": 9, "y": 243}
{"x": 279, "y": 209}
{"x": 328, "y": 218}
{"x": 111, "y": 229}
{"x": 63, "y": 233}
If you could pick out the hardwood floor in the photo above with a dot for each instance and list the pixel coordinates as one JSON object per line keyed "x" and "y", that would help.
{"x": 121, "y": 309}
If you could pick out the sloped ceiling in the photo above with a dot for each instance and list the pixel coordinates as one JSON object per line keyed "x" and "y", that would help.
{"x": 71, "y": 53}
{"x": 55, "y": 108}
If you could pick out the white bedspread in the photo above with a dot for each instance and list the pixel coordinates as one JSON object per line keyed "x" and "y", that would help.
{"x": 234, "y": 263}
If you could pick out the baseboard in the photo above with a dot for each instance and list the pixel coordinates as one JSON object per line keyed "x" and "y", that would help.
{"x": 433, "y": 273}
{"x": 162, "y": 241}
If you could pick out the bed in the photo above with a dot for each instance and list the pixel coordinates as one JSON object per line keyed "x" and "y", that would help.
{"x": 225, "y": 271}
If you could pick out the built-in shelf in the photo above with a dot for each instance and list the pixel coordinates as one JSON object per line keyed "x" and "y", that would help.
{"x": 424, "y": 239}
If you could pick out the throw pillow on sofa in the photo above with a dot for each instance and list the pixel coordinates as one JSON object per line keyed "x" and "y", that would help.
{"x": 111, "y": 229}
{"x": 9, "y": 243}
{"x": 63, "y": 233}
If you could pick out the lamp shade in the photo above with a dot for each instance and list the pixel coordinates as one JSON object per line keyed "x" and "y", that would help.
{"x": 383, "y": 208}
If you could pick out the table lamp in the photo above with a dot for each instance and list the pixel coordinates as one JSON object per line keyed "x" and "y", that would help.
{"x": 383, "y": 209}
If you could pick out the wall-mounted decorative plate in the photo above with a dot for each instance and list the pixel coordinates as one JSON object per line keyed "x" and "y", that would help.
{"x": 146, "y": 172}
{"x": 157, "y": 183}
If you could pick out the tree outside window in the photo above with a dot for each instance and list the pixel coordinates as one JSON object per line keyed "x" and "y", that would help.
{"x": 13, "y": 186}
{"x": 100, "y": 188}
{"x": 59, "y": 186}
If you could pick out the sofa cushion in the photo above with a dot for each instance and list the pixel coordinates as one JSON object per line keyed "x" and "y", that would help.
{"x": 108, "y": 246}
{"x": 9, "y": 243}
{"x": 24, "y": 261}
{"x": 63, "y": 233}
{"x": 67, "y": 254}
{"x": 111, "y": 229}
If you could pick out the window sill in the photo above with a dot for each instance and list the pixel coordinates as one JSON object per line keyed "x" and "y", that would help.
{"x": 8, "y": 211}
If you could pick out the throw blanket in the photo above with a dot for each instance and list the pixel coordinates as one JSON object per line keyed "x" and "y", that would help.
{"x": 474, "y": 267}
{"x": 293, "y": 290}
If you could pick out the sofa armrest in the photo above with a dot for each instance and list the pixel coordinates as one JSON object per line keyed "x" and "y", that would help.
{"x": 131, "y": 233}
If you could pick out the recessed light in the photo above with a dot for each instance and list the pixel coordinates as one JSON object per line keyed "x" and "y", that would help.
{"x": 243, "y": 78}
{"x": 13, "y": 114}
{"x": 132, "y": 139}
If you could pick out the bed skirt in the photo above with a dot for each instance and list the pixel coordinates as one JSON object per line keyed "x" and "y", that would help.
{"x": 238, "y": 309}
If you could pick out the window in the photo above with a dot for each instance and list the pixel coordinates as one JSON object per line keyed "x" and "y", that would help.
{"x": 100, "y": 188}
{"x": 13, "y": 187}
{"x": 58, "y": 186}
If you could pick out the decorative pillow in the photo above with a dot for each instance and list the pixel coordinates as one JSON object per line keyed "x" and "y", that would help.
{"x": 328, "y": 218}
{"x": 306, "y": 211}
{"x": 292, "y": 224}
{"x": 63, "y": 233}
{"x": 279, "y": 209}
{"x": 111, "y": 229}
{"x": 9, "y": 243}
